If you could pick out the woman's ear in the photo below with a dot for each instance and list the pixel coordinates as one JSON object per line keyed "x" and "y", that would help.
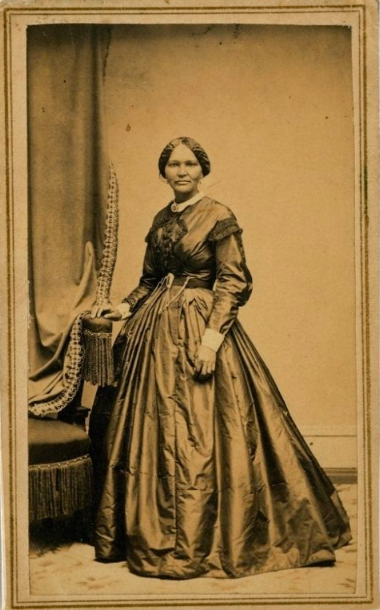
{"x": 162, "y": 178}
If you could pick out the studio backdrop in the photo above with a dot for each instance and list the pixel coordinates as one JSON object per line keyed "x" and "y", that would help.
{"x": 273, "y": 107}
{"x": 72, "y": 204}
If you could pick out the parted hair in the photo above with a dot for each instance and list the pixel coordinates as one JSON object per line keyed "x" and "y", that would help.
{"x": 194, "y": 146}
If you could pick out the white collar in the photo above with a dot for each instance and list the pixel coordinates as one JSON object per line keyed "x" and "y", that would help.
{"x": 179, "y": 207}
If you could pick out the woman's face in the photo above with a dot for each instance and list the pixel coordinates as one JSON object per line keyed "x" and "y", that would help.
{"x": 183, "y": 173}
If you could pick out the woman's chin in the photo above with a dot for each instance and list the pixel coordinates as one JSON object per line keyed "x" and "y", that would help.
{"x": 184, "y": 192}
{"x": 183, "y": 188}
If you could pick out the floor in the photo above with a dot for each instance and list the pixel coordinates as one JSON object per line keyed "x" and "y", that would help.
{"x": 61, "y": 567}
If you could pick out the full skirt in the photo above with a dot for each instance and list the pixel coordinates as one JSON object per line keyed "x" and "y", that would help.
{"x": 208, "y": 478}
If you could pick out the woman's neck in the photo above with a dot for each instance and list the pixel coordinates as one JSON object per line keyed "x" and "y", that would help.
{"x": 182, "y": 197}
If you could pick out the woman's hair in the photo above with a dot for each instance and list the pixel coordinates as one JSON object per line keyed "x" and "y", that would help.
{"x": 196, "y": 148}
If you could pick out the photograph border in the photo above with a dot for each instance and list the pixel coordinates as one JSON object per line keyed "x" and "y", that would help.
{"x": 368, "y": 237}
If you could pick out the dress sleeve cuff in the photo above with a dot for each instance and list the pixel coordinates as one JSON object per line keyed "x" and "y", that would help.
{"x": 212, "y": 339}
{"x": 124, "y": 309}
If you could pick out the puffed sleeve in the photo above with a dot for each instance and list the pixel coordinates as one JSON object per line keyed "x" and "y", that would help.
{"x": 148, "y": 279}
{"x": 233, "y": 280}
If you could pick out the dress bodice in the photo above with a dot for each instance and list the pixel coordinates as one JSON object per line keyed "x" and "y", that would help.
{"x": 203, "y": 242}
{"x": 183, "y": 243}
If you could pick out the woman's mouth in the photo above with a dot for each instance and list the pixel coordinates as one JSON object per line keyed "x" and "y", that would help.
{"x": 183, "y": 182}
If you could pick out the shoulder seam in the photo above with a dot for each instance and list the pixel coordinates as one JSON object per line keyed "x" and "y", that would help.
{"x": 223, "y": 228}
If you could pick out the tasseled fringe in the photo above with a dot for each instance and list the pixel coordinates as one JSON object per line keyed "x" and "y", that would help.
{"x": 59, "y": 489}
{"x": 98, "y": 361}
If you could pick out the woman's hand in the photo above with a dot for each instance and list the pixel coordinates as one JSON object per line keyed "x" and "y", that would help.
{"x": 107, "y": 311}
{"x": 205, "y": 359}
{"x": 122, "y": 312}
{"x": 114, "y": 315}
{"x": 98, "y": 310}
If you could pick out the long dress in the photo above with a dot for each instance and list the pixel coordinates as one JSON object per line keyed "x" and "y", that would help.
{"x": 203, "y": 478}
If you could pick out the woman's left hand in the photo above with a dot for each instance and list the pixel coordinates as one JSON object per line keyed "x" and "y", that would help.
{"x": 205, "y": 359}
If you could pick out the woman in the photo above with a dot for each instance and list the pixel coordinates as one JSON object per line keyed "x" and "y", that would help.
{"x": 204, "y": 472}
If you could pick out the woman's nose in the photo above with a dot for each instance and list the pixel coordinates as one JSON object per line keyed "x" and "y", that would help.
{"x": 182, "y": 171}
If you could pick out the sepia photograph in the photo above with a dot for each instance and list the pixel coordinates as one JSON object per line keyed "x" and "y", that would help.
{"x": 189, "y": 308}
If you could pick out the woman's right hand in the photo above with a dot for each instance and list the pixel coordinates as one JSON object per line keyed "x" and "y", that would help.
{"x": 121, "y": 312}
{"x": 106, "y": 311}
{"x": 99, "y": 310}
{"x": 114, "y": 315}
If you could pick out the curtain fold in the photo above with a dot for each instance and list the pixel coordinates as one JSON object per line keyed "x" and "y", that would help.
{"x": 73, "y": 213}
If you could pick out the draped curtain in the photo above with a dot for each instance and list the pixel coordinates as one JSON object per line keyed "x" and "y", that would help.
{"x": 72, "y": 203}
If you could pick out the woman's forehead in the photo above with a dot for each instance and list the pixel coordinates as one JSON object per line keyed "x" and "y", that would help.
{"x": 182, "y": 153}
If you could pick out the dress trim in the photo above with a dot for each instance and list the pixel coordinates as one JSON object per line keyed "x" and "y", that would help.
{"x": 163, "y": 244}
{"x": 161, "y": 221}
{"x": 223, "y": 228}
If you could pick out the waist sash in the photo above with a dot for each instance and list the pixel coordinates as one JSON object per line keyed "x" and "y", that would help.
{"x": 192, "y": 282}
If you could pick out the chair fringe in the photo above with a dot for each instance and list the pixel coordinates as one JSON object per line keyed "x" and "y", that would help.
{"x": 60, "y": 489}
{"x": 98, "y": 362}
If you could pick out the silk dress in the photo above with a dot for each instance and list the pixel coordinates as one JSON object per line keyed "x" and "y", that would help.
{"x": 202, "y": 478}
